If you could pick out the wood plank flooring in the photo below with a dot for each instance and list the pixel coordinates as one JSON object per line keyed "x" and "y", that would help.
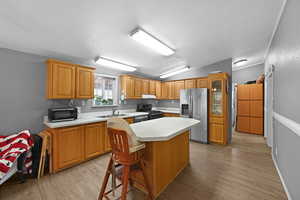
{"x": 243, "y": 170}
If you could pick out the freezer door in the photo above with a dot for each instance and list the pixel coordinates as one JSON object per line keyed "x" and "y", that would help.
{"x": 199, "y": 111}
{"x": 185, "y": 100}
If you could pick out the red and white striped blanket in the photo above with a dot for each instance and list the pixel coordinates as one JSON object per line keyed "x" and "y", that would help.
{"x": 11, "y": 147}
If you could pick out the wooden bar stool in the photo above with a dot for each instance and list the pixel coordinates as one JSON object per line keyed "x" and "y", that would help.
{"x": 126, "y": 152}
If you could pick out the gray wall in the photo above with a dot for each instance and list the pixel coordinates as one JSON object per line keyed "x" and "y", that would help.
{"x": 22, "y": 89}
{"x": 224, "y": 66}
{"x": 284, "y": 55}
{"x": 248, "y": 74}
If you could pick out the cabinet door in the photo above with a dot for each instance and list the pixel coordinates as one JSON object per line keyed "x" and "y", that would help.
{"x": 158, "y": 89}
{"x": 164, "y": 90}
{"x": 62, "y": 81}
{"x": 217, "y": 98}
{"x": 107, "y": 146}
{"x": 257, "y": 125}
{"x": 145, "y": 87}
{"x": 256, "y": 108}
{"x": 69, "y": 146}
{"x": 256, "y": 91}
{"x": 171, "y": 90}
{"x": 84, "y": 83}
{"x": 191, "y": 83}
{"x": 94, "y": 139}
{"x": 138, "y": 87}
{"x": 216, "y": 133}
{"x": 243, "y": 124}
{"x": 202, "y": 83}
{"x": 243, "y": 92}
{"x": 179, "y": 85}
{"x": 152, "y": 87}
{"x": 128, "y": 87}
{"x": 243, "y": 108}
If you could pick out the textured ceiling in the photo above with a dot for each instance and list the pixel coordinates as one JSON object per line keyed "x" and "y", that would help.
{"x": 202, "y": 32}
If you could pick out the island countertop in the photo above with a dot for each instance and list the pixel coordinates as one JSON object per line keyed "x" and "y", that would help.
{"x": 162, "y": 129}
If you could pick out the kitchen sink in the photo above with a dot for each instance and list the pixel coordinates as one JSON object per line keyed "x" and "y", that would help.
{"x": 108, "y": 116}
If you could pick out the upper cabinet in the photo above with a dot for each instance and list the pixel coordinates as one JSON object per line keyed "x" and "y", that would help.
{"x": 69, "y": 81}
{"x": 164, "y": 90}
{"x": 190, "y": 83}
{"x": 84, "y": 83}
{"x": 178, "y": 85}
{"x": 145, "y": 87}
{"x": 138, "y": 87}
{"x": 127, "y": 86}
{"x": 152, "y": 87}
{"x": 202, "y": 82}
{"x": 158, "y": 89}
{"x": 171, "y": 90}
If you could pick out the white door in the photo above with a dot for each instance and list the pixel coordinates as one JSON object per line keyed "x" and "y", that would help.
{"x": 269, "y": 105}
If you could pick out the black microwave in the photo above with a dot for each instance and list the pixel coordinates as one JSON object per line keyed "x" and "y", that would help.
{"x": 62, "y": 114}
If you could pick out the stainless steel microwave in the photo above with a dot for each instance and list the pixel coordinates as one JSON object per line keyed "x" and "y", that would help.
{"x": 62, "y": 114}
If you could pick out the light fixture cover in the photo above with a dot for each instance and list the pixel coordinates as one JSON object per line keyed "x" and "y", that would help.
{"x": 152, "y": 42}
{"x": 114, "y": 64}
{"x": 174, "y": 72}
{"x": 240, "y": 61}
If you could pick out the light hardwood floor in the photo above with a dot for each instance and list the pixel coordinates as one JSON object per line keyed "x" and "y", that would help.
{"x": 243, "y": 170}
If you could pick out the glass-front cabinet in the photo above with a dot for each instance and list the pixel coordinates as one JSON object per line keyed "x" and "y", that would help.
{"x": 217, "y": 99}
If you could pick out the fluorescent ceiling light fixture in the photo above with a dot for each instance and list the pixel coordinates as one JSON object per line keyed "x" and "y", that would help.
{"x": 240, "y": 62}
{"x": 114, "y": 64}
{"x": 152, "y": 42}
{"x": 174, "y": 72}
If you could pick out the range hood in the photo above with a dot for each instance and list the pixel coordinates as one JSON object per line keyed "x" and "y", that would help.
{"x": 148, "y": 96}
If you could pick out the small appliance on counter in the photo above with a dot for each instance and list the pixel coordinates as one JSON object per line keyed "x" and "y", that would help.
{"x": 152, "y": 114}
{"x": 62, "y": 114}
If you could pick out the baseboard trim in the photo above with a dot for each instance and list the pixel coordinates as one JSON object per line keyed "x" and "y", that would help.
{"x": 290, "y": 124}
{"x": 281, "y": 178}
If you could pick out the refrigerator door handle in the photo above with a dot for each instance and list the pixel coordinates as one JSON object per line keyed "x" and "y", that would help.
{"x": 191, "y": 106}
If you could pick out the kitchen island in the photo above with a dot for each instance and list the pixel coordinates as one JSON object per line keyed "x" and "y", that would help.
{"x": 167, "y": 149}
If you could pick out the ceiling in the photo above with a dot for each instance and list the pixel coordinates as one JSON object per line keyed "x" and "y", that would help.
{"x": 202, "y": 32}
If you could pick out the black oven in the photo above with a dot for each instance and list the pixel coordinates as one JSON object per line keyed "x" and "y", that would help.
{"x": 62, "y": 114}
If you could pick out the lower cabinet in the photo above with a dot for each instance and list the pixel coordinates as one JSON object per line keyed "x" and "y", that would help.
{"x": 68, "y": 147}
{"x": 171, "y": 115}
{"x": 73, "y": 145}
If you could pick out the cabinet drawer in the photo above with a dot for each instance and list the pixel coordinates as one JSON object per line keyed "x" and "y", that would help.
{"x": 217, "y": 120}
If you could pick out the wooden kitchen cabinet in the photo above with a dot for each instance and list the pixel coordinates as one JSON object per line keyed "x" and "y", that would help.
{"x": 145, "y": 86}
{"x": 152, "y": 87}
{"x": 164, "y": 90}
{"x": 138, "y": 87}
{"x": 218, "y": 108}
{"x": 190, "y": 83}
{"x": 68, "y": 147}
{"x": 69, "y": 81}
{"x": 202, "y": 83}
{"x": 171, "y": 90}
{"x": 178, "y": 85}
{"x": 84, "y": 83}
{"x": 158, "y": 89}
{"x": 60, "y": 80}
{"x": 171, "y": 115}
{"x": 95, "y": 139}
{"x": 127, "y": 86}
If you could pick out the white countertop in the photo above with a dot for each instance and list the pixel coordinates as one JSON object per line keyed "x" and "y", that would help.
{"x": 162, "y": 129}
{"x": 87, "y": 118}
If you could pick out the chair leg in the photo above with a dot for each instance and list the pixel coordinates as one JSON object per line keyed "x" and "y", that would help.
{"x": 150, "y": 196}
{"x": 105, "y": 181}
{"x": 125, "y": 181}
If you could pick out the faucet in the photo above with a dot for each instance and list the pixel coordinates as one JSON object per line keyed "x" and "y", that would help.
{"x": 113, "y": 111}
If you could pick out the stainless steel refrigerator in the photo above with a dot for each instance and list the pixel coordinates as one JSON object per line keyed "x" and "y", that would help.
{"x": 193, "y": 104}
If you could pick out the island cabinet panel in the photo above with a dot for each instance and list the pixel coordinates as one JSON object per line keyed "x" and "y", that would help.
{"x": 68, "y": 147}
{"x": 164, "y": 161}
{"x": 152, "y": 87}
{"x": 171, "y": 115}
{"x": 178, "y": 85}
{"x": 60, "y": 80}
{"x": 84, "y": 83}
{"x": 95, "y": 138}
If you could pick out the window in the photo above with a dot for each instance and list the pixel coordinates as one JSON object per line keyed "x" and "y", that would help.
{"x": 105, "y": 90}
